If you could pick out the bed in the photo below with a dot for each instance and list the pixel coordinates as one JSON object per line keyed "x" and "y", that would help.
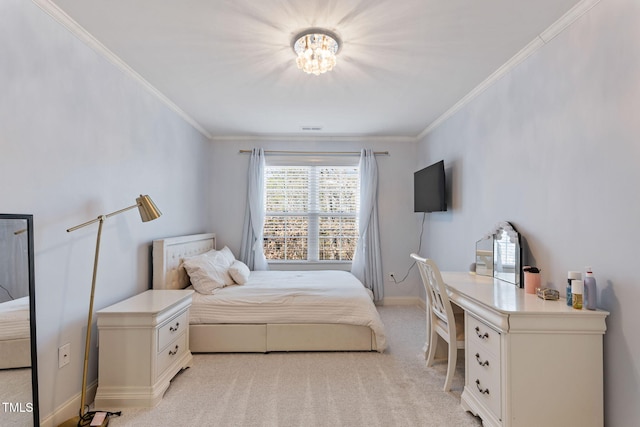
{"x": 273, "y": 310}
{"x": 15, "y": 343}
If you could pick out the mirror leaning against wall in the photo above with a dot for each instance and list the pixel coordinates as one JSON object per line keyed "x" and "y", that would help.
{"x": 18, "y": 363}
{"x": 499, "y": 254}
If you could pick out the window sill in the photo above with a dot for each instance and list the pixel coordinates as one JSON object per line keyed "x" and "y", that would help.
{"x": 307, "y": 262}
{"x": 310, "y": 265}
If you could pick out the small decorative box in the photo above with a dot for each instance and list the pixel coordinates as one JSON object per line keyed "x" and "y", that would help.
{"x": 548, "y": 293}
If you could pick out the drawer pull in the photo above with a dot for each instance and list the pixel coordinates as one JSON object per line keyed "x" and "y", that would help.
{"x": 174, "y": 351}
{"x": 481, "y": 336}
{"x": 483, "y": 391}
{"x": 485, "y": 363}
{"x": 173, "y": 329}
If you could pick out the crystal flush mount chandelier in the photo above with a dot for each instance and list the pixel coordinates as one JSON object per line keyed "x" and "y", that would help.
{"x": 316, "y": 50}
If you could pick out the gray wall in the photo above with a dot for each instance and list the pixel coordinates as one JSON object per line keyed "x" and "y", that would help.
{"x": 14, "y": 259}
{"x": 79, "y": 138}
{"x": 553, "y": 148}
{"x": 395, "y": 198}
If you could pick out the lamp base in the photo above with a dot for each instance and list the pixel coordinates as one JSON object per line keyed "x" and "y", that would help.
{"x": 76, "y": 422}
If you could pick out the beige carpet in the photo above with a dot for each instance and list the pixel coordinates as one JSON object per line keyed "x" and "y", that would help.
{"x": 15, "y": 388}
{"x": 315, "y": 389}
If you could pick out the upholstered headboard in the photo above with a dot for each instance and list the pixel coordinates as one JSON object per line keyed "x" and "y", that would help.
{"x": 169, "y": 253}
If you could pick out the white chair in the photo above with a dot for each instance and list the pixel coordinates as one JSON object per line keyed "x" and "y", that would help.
{"x": 442, "y": 320}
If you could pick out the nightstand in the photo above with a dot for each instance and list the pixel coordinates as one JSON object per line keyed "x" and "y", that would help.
{"x": 143, "y": 344}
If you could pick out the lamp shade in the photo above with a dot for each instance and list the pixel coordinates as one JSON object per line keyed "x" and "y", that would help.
{"x": 148, "y": 210}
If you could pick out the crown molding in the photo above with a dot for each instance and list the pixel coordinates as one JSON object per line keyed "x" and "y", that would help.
{"x": 547, "y": 35}
{"x": 540, "y": 40}
{"x": 83, "y": 35}
{"x": 523, "y": 54}
{"x": 567, "y": 19}
{"x": 315, "y": 138}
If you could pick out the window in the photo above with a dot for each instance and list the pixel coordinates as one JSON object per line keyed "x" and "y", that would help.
{"x": 311, "y": 213}
{"x": 505, "y": 253}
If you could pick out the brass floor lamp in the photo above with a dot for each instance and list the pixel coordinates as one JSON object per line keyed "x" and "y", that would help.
{"x": 148, "y": 212}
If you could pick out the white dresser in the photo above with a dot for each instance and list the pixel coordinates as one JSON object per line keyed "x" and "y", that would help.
{"x": 528, "y": 362}
{"x": 143, "y": 343}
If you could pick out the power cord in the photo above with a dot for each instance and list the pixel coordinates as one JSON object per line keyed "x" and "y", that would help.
{"x": 7, "y": 291}
{"x": 424, "y": 215}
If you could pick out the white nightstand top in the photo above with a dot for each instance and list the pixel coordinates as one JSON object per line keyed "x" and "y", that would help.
{"x": 149, "y": 302}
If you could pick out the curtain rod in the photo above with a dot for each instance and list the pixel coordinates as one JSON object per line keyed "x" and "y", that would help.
{"x": 316, "y": 153}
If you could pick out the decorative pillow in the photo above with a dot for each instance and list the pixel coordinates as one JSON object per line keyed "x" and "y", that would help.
{"x": 208, "y": 272}
{"x": 227, "y": 255}
{"x": 239, "y": 272}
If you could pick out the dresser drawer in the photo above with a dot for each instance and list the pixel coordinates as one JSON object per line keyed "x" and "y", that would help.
{"x": 172, "y": 353}
{"x": 486, "y": 388}
{"x": 170, "y": 330}
{"x": 483, "y": 377}
{"x": 479, "y": 333}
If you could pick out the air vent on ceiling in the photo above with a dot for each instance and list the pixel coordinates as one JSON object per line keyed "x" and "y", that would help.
{"x": 311, "y": 128}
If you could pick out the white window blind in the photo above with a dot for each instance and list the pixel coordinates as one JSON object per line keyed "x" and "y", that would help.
{"x": 311, "y": 213}
{"x": 506, "y": 252}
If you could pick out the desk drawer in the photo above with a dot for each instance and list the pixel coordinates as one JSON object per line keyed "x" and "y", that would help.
{"x": 170, "y": 330}
{"x": 486, "y": 387}
{"x": 172, "y": 353}
{"x": 483, "y": 377}
{"x": 479, "y": 333}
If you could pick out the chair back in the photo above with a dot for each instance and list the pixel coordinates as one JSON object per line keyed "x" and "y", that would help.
{"x": 436, "y": 290}
{"x": 441, "y": 319}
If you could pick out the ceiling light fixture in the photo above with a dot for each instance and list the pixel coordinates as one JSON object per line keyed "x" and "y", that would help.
{"x": 316, "y": 49}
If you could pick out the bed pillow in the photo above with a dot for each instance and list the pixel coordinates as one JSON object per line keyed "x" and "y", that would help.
{"x": 208, "y": 272}
{"x": 239, "y": 272}
{"x": 227, "y": 256}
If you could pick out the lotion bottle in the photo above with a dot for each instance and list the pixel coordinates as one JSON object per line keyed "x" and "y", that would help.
{"x": 572, "y": 275}
{"x": 577, "y": 287}
{"x": 590, "y": 291}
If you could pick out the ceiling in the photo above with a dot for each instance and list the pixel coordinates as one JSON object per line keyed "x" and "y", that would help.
{"x": 229, "y": 66}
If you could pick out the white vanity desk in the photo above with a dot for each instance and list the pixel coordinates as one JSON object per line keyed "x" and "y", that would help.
{"x": 528, "y": 362}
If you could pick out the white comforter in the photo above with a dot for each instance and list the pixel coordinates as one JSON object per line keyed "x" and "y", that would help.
{"x": 292, "y": 297}
{"x": 14, "y": 319}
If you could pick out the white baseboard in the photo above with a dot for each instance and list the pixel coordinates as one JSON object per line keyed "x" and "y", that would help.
{"x": 403, "y": 301}
{"x": 69, "y": 409}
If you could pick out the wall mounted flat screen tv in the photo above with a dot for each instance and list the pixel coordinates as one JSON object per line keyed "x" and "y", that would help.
{"x": 429, "y": 189}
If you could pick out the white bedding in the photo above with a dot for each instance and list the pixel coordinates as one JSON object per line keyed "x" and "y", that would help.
{"x": 14, "y": 319}
{"x": 292, "y": 297}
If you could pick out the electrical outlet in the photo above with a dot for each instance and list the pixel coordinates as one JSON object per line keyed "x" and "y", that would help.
{"x": 392, "y": 277}
{"x": 64, "y": 354}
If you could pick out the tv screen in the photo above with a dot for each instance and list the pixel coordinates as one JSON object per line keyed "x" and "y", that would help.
{"x": 429, "y": 189}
